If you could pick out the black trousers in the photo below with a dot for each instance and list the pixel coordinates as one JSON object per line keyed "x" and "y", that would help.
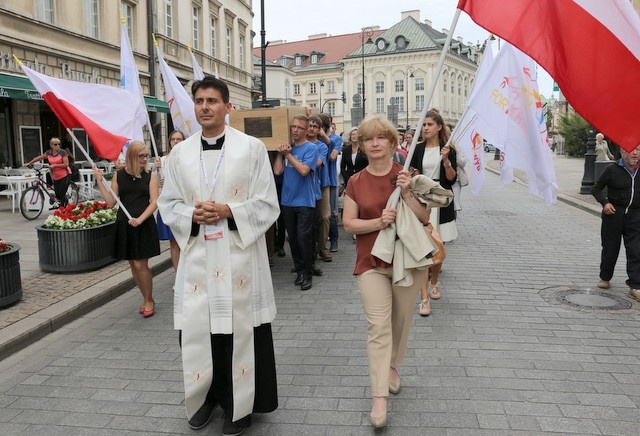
{"x": 221, "y": 390}
{"x": 60, "y": 187}
{"x": 616, "y": 228}
{"x": 280, "y": 227}
{"x": 299, "y": 224}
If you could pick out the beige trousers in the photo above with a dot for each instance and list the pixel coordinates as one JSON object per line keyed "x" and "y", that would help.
{"x": 325, "y": 214}
{"x": 389, "y": 310}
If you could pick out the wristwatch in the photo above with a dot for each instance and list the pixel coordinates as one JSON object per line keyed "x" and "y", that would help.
{"x": 447, "y": 165}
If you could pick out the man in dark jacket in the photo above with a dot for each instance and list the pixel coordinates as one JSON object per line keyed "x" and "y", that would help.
{"x": 620, "y": 218}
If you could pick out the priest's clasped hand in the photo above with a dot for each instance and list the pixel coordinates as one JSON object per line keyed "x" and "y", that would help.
{"x": 210, "y": 212}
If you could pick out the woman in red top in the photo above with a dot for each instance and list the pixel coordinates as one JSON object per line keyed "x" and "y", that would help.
{"x": 388, "y": 308}
{"x": 59, "y": 166}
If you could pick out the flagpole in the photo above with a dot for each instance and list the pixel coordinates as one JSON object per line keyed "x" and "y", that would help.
{"x": 396, "y": 194}
{"x": 86, "y": 154}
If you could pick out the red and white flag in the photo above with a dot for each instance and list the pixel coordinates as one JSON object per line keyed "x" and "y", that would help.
{"x": 180, "y": 104}
{"x": 590, "y": 47}
{"x": 107, "y": 114}
{"x": 507, "y": 102}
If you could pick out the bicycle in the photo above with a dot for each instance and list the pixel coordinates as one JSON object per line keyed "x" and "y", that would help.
{"x": 32, "y": 200}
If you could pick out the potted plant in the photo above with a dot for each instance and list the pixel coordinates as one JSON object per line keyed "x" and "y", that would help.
{"x": 10, "y": 281}
{"x": 77, "y": 238}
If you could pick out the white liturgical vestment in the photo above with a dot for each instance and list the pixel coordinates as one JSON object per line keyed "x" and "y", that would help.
{"x": 222, "y": 285}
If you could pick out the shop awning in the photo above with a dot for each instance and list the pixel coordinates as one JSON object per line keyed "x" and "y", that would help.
{"x": 21, "y": 88}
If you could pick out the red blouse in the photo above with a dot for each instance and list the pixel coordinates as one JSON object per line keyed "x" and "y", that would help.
{"x": 371, "y": 194}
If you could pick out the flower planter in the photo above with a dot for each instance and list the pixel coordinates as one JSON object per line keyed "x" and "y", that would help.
{"x": 75, "y": 250}
{"x": 10, "y": 281}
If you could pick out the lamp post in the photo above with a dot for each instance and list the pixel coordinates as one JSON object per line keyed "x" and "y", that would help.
{"x": 408, "y": 75}
{"x": 368, "y": 32}
{"x": 321, "y": 86}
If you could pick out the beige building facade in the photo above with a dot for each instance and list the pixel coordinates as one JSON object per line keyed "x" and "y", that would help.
{"x": 80, "y": 40}
{"x": 398, "y": 64}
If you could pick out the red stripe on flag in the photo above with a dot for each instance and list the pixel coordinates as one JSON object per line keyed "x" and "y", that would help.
{"x": 105, "y": 143}
{"x": 597, "y": 73}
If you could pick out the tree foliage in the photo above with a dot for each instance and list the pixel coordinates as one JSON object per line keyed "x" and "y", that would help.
{"x": 575, "y": 131}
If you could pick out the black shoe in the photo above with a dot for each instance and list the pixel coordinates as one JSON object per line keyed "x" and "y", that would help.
{"x": 316, "y": 271}
{"x": 231, "y": 428}
{"x": 294, "y": 270}
{"x": 281, "y": 252}
{"x": 333, "y": 247}
{"x": 202, "y": 416}
{"x": 306, "y": 284}
{"x": 299, "y": 279}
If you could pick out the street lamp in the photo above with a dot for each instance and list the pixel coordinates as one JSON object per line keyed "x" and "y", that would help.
{"x": 321, "y": 86}
{"x": 368, "y": 32}
{"x": 409, "y": 75}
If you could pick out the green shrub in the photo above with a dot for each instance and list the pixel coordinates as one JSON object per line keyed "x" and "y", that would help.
{"x": 575, "y": 131}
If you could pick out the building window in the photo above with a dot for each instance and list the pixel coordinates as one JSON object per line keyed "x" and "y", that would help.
{"x": 312, "y": 88}
{"x": 241, "y": 48}
{"x": 380, "y": 105}
{"x": 419, "y": 84}
{"x": 298, "y": 61}
{"x": 379, "y": 87}
{"x": 296, "y": 89}
{"x": 400, "y": 103}
{"x": 127, "y": 11}
{"x": 444, "y": 84}
{"x": 195, "y": 21}
{"x": 314, "y": 58}
{"x": 229, "y": 45}
{"x": 331, "y": 86}
{"x": 168, "y": 17}
{"x": 459, "y": 89}
{"x": 313, "y": 105}
{"x": 400, "y": 85}
{"x": 214, "y": 27}
{"x": 91, "y": 18}
{"x": 419, "y": 102}
{"x": 359, "y": 90}
{"x": 331, "y": 108}
{"x": 45, "y": 11}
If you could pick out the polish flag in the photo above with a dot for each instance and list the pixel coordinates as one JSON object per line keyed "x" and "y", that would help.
{"x": 590, "y": 47}
{"x": 107, "y": 114}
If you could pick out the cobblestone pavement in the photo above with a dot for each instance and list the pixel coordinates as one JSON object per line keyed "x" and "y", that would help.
{"x": 496, "y": 357}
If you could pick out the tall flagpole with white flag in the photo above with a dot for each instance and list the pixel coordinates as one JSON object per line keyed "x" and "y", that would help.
{"x": 198, "y": 74}
{"x": 130, "y": 78}
{"x": 443, "y": 54}
{"x": 180, "y": 104}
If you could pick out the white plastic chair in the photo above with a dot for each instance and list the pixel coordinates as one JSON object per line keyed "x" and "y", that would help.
{"x": 10, "y": 191}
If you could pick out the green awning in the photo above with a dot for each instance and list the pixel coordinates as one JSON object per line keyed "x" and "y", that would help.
{"x": 21, "y": 88}
{"x": 155, "y": 105}
{"x": 18, "y": 87}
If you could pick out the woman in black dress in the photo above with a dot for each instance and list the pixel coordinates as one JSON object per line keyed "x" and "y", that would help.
{"x": 136, "y": 239}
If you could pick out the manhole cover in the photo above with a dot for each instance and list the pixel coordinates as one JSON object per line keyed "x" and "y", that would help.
{"x": 586, "y": 299}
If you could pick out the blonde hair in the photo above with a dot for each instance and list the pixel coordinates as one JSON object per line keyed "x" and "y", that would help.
{"x": 132, "y": 161}
{"x": 377, "y": 125}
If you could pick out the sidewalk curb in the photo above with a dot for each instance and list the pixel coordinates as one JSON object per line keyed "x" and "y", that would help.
{"x": 25, "y": 332}
{"x": 586, "y": 207}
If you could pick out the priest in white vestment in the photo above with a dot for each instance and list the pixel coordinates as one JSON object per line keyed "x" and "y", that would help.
{"x": 219, "y": 198}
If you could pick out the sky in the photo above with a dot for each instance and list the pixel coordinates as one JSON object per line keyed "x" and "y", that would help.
{"x": 293, "y": 20}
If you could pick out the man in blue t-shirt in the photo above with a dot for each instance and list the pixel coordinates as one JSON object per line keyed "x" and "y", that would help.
{"x": 317, "y": 135}
{"x": 297, "y": 162}
{"x": 334, "y": 150}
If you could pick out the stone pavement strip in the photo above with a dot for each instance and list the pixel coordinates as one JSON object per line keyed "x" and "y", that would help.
{"x": 496, "y": 357}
